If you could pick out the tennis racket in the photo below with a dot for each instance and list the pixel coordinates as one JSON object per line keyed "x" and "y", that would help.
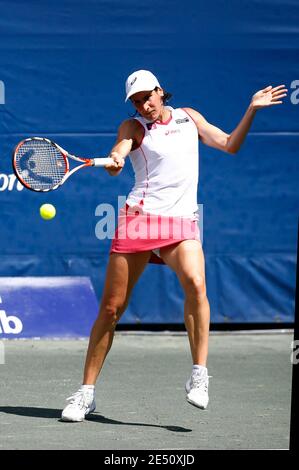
{"x": 42, "y": 165}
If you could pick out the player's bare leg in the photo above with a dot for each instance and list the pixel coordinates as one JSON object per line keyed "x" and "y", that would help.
{"x": 123, "y": 272}
{"x": 187, "y": 260}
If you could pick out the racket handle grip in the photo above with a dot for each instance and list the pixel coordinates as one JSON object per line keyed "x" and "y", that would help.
{"x": 102, "y": 161}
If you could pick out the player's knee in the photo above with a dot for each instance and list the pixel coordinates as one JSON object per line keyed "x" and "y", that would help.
{"x": 195, "y": 286}
{"x": 112, "y": 310}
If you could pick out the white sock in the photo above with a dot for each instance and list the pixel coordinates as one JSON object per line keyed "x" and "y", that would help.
{"x": 201, "y": 370}
{"x": 87, "y": 387}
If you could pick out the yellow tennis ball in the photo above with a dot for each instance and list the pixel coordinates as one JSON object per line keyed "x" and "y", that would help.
{"x": 47, "y": 211}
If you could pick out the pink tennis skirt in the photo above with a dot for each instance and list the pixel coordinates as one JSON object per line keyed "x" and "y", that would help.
{"x": 140, "y": 231}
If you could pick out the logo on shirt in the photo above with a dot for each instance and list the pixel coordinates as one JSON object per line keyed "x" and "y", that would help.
{"x": 181, "y": 121}
{"x": 172, "y": 131}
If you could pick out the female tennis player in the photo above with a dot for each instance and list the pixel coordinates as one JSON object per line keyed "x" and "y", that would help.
{"x": 162, "y": 143}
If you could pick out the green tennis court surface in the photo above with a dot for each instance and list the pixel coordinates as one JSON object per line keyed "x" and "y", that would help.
{"x": 140, "y": 395}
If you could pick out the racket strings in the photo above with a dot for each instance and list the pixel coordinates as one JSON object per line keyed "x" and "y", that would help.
{"x": 40, "y": 164}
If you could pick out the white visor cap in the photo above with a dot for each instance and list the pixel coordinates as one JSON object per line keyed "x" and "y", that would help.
{"x": 141, "y": 80}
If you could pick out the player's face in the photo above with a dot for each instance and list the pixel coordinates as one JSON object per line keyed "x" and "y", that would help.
{"x": 149, "y": 104}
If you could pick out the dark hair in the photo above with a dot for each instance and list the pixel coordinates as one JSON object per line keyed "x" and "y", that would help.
{"x": 166, "y": 97}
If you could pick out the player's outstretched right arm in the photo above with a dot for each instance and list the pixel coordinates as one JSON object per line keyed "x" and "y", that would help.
{"x": 123, "y": 146}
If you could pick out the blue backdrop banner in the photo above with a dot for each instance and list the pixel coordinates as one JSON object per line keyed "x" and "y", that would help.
{"x": 39, "y": 307}
{"x": 63, "y": 65}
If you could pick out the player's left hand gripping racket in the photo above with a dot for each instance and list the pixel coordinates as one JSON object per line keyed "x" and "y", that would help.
{"x": 42, "y": 165}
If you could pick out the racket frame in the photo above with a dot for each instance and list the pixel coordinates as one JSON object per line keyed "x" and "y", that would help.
{"x": 100, "y": 162}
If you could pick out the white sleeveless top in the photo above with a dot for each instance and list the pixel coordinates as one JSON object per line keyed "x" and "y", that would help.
{"x": 166, "y": 167}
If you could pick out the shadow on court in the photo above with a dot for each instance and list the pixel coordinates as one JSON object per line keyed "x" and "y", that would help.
{"x": 32, "y": 412}
{"x": 104, "y": 420}
{"x": 140, "y": 394}
{"x": 49, "y": 413}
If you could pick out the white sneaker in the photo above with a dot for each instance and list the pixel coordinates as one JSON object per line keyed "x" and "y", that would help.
{"x": 197, "y": 389}
{"x": 81, "y": 404}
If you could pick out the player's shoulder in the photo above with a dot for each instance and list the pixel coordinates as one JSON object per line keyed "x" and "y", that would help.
{"x": 130, "y": 128}
{"x": 130, "y": 124}
{"x": 189, "y": 110}
{"x": 193, "y": 113}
